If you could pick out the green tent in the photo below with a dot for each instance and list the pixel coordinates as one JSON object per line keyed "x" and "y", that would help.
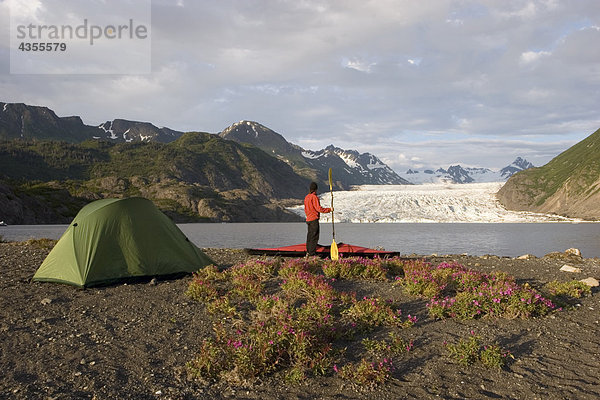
{"x": 112, "y": 239}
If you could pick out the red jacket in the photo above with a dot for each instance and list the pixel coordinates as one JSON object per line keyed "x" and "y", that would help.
{"x": 312, "y": 207}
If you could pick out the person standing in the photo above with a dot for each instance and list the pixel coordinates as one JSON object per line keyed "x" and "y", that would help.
{"x": 312, "y": 209}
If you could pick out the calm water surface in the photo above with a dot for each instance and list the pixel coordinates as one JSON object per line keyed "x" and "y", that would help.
{"x": 476, "y": 239}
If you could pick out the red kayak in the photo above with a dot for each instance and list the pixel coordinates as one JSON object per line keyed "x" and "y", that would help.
{"x": 344, "y": 250}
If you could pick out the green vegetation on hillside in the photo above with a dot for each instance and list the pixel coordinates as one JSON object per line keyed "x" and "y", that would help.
{"x": 197, "y": 177}
{"x": 567, "y": 185}
{"x": 580, "y": 164}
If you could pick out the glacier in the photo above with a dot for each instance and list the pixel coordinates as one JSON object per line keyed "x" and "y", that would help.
{"x": 427, "y": 203}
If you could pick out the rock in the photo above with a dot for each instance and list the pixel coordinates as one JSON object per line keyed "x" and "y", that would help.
{"x": 591, "y": 282}
{"x": 153, "y": 282}
{"x": 568, "y": 268}
{"x": 526, "y": 257}
{"x": 564, "y": 256}
{"x": 573, "y": 252}
{"x": 46, "y": 301}
{"x": 39, "y": 320}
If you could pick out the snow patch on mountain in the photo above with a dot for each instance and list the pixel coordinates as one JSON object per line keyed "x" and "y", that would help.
{"x": 108, "y": 130}
{"x": 427, "y": 203}
{"x": 311, "y": 155}
{"x": 519, "y": 164}
{"x": 350, "y": 161}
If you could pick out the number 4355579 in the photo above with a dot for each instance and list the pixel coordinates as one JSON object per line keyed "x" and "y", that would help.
{"x": 28, "y": 46}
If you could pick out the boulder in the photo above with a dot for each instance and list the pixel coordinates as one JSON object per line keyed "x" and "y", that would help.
{"x": 566, "y": 256}
{"x": 526, "y": 257}
{"x": 591, "y": 282}
{"x": 573, "y": 252}
{"x": 569, "y": 268}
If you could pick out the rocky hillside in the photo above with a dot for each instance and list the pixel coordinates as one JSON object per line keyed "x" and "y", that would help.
{"x": 568, "y": 185}
{"x": 22, "y": 121}
{"x": 350, "y": 167}
{"x": 196, "y": 177}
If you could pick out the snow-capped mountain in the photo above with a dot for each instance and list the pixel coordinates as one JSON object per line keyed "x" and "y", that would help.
{"x": 135, "y": 131}
{"x": 260, "y": 136}
{"x": 458, "y": 174}
{"x": 519, "y": 164}
{"x": 363, "y": 167}
{"x": 350, "y": 167}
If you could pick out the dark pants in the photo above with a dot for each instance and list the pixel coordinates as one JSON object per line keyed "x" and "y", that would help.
{"x": 312, "y": 237}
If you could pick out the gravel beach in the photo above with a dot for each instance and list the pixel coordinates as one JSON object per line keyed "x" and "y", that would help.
{"x": 132, "y": 340}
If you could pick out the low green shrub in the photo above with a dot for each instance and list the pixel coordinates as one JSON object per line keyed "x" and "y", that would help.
{"x": 469, "y": 351}
{"x": 366, "y": 373}
{"x": 43, "y": 243}
{"x": 387, "y": 348}
{"x": 355, "y": 268}
{"x": 372, "y": 312}
{"x": 568, "y": 290}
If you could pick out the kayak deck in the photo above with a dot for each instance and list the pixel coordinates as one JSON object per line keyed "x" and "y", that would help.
{"x": 344, "y": 250}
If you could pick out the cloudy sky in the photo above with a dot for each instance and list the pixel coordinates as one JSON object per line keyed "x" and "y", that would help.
{"x": 417, "y": 83}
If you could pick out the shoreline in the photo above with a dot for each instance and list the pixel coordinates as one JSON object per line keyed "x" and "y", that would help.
{"x": 510, "y": 240}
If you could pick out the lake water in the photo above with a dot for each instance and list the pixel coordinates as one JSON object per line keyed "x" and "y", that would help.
{"x": 507, "y": 239}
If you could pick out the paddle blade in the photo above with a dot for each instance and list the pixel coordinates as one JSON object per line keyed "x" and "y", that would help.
{"x": 330, "y": 180}
{"x": 334, "y": 251}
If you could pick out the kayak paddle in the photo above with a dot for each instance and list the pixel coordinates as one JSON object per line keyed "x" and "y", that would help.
{"x": 334, "y": 249}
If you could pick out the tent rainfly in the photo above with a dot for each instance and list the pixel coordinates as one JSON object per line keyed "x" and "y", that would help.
{"x": 113, "y": 239}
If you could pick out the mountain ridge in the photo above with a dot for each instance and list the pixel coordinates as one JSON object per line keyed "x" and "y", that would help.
{"x": 568, "y": 185}
{"x": 350, "y": 167}
{"x": 23, "y": 121}
{"x": 458, "y": 174}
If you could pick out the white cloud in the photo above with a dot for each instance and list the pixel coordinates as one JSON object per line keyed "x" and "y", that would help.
{"x": 455, "y": 21}
{"x": 358, "y": 64}
{"x": 529, "y": 57}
